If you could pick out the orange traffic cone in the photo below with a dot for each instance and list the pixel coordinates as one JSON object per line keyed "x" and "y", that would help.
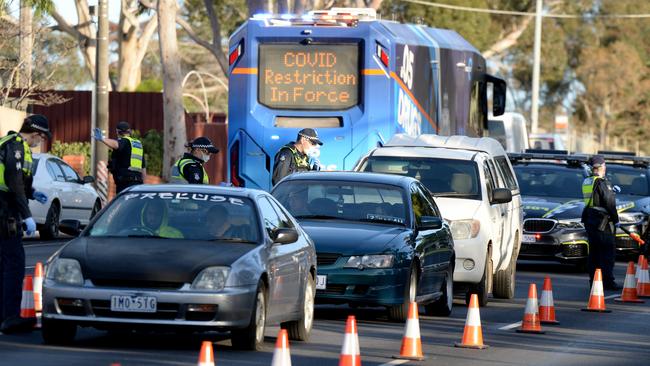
{"x": 597, "y": 296}
{"x": 411, "y": 344}
{"x": 643, "y": 284}
{"x": 546, "y": 306}
{"x": 639, "y": 265}
{"x": 473, "y": 334}
{"x": 38, "y": 287}
{"x": 27, "y": 302}
{"x": 350, "y": 354}
{"x": 531, "y": 323}
{"x": 629, "y": 288}
{"x": 281, "y": 355}
{"x": 206, "y": 357}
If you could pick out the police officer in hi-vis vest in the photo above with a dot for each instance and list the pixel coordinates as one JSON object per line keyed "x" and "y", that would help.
{"x": 189, "y": 168}
{"x": 600, "y": 219}
{"x": 295, "y": 156}
{"x": 127, "y": 159}
{"x": 15, "y": 191}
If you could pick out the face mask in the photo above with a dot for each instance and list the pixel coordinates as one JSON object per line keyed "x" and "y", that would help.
{"x": 313, "y": 152}
{"x": 206, "y": 158}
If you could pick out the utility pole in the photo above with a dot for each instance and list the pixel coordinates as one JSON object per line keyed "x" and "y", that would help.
{"x": 101, "y": 96}
{"x": 534, "y": 113}
{"x": 26, "y": 41}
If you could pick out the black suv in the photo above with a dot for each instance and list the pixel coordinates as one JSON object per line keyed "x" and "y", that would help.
{"x": 550, "y": 182}
{"x": 630, "y": 176}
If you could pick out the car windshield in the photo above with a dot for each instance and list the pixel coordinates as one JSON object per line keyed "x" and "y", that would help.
{"x": 354, "y": 201}
{"x": 443, "y": 177}
{"x": 631, "y": 180}
{"x": 179, "y": 215}
{"x": 550, "y": 181}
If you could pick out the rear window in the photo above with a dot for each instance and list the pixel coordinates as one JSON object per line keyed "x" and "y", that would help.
{"x": 632, "y": 181}
{"x": 443, "y": 177}
{"x": 550, "y": 181}
{"x": 506, "y": 171}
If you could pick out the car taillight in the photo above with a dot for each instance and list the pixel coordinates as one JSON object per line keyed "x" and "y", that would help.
{"x": 235, "y": 54}
{"x": 383, "y": 55}
{"x": 235, "y": 179}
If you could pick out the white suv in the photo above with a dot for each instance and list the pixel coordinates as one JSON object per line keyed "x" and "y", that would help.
{"x": 477, "y": 192}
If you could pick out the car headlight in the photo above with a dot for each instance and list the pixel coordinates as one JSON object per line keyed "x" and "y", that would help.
{"x": 570, "y": 225}
{"x": 370, "y": 261}
{"x": 631, "y": 217}
{"x": 464, "y": 229}
{"x": 65, "y": 271}
{"x": 211, "y": 279}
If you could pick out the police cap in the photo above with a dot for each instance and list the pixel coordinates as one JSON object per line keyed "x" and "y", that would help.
{"x": 36, "y": 123}
{"x": 203, "y": 143}
{"x": 310, "y": 134}
{"x": 597, "y": 161}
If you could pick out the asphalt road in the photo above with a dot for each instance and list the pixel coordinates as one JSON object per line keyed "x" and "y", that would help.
{"x": 618, "y": 338}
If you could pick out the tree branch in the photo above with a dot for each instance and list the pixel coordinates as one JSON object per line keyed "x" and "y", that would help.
{"x": 145, "y": 38}
{"x": 509, "y": 40}
{"x": 64, "y": 26}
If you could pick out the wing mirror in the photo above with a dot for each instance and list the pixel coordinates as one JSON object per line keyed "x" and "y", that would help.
{"x": 285, "y": 236}
{"x": 70, "y": 227}
{"x": 501, "y": 195}
{"x": 88, "y": 179}
{"x": 430, "y": 223}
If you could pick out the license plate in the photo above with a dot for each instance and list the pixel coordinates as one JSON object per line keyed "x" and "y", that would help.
{"x": 321, "y": 282}
{"x": 528, "y": 238}
{"x": 138, "y": 304}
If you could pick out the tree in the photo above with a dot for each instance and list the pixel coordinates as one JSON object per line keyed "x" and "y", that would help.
{"x": 84, "y": 31}
{"x": 174, "y": 116}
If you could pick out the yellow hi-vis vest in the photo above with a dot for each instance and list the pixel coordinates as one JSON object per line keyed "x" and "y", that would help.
{"x": 588, "y": 190}
{"x": 301, "y": 161}
{"x": 137, "y": 152}
{"x": 27, "y": 164}
{"x": 177, "y": 172}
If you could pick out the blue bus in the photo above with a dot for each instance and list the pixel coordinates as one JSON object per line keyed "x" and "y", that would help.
{"x": 355, "y": 79}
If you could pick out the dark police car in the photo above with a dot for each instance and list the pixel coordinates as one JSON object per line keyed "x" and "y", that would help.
{"x": 550, "y": 182}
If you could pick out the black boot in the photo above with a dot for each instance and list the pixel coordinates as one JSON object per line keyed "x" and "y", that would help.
{"x": 16, "y": 324}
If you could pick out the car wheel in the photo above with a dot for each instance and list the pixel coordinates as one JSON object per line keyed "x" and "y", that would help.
{"x": 96, "y": 208}
{"x": 58, "y": 331}
{"x": 399, "y": 313}
{"x": 483, "y": 288}
{"x": 50, "y": 230}
{"x": 504, "y": 280}
{"x": 252, "y": 337}
{"x": 443, "y": 306}
{"x": 300, "y": 330}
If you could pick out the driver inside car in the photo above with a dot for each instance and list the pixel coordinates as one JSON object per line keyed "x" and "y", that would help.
{"x": 154, "y": 218}
{"x": 221, "y": 227}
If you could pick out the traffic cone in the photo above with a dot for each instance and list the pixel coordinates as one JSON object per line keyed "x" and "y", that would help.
{"x": 281, "y": 355}
{"x": 27, "y": 302}
{"x": 350, "y": 354}
{"x": 473, "y": 334}
{"x": 639, "y": 264}
{"x": 206, "y": 357}
{"x": 546, "y": 306}
{"x": 38, "y": 287}
{"x": 643, "y": 284}
{"x": 531, "y": 323}
{"x": 597, "y": 296}
{"x": 629, "y": 288}
{"x": 411, "y": 344}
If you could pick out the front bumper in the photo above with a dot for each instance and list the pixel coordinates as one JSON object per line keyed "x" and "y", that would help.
{"x": 558, "y": 245}
{"x": 233, "y": 308}
{"x": 626, "y": 245}
{"x": 373, "y": 287}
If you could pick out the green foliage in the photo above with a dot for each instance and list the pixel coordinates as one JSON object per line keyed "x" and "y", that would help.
{"x": 61, "y": 149}
{"x": 152, "y": 143}
{"x": 150, "y": 85}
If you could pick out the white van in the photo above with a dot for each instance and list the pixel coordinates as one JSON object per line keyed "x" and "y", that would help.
{"x": 510, "y": 130}
{"x": 477, "y": 193}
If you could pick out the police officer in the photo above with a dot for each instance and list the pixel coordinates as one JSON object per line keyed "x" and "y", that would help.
{"x": 189, "y": 168}
{"x": 295, "y": 156}
{"x": 15, "y": 190}
{"x": 127, "y": 159}
{"x": 600, "y": 219}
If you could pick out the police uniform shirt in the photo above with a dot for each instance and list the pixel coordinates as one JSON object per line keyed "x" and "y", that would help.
{"x": 19, "y": 184}
{"x": 193, "y": 172}
{"x": 121, "y": 158}
{"x": 604, "y": 197}
{"x": 285, "y": 164}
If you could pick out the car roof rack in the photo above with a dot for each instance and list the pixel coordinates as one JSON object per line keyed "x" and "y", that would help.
{"x": 625, "y": 157}
{"x": 545, "y": 151}
{"x": 612, "y": 152}
{"x": 558, "y": 155}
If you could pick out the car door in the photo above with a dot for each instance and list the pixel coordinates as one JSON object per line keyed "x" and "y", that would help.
{"x": 514, "y": 214}
{"x": 426, "y": 245}
{"x": 77, "y": 201}
{"x": 58, "y": 183}
{"x": 494, "y": 211}
{"x": 500, "y": 247}
{"x": 280, "y": 264}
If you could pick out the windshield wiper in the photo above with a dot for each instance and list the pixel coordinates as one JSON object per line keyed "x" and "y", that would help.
{"x": 147, "y": 236}
{"x": 234, "y": 240}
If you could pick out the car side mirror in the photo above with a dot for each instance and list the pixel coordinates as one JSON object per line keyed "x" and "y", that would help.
{"x": 70, "y": 227}
{"x": 501, "y": 195}
{"x": 88, "y": 179}
{"x": 430, "y": 223}
{"x": 285, "y": 236}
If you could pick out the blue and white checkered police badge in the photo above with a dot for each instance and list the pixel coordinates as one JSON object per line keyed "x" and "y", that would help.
{"x": 196, "y": 176}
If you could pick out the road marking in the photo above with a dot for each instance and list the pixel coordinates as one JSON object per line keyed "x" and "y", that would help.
{"x": 510, "y": 326}
{"x": 394, "y": 362}
{"x": 42, "y": 245}
{"x": 612, "y": 296}
{"x": 30, "y": 267}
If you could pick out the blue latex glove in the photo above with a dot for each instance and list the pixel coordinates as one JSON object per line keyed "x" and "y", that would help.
{"x": 617, "y": 225}
{"x": 40, "y": 197}
{"x": 97, "y": 134}
{"x": 31, "y": 226}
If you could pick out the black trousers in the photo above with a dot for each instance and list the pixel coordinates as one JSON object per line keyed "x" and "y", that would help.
{"x": 602, "y": 253}
{"x": 122, "y": 183}
{"x": 12, "y": 271}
